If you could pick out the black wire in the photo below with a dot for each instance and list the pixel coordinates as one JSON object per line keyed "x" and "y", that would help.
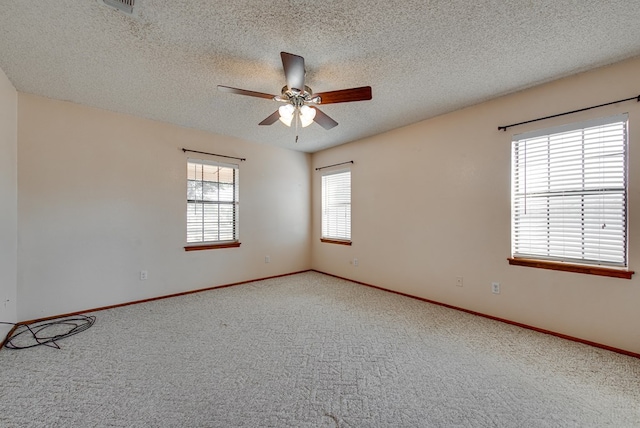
{"x": 76, "y": 324}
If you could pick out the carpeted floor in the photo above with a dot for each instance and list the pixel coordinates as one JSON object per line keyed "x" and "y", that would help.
{"x": 310, "y": 350}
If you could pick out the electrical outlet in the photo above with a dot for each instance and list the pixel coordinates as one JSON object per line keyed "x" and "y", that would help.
{"x": 459, "y": 281}
{"x": 267, "y": 259}
{"x": 144, "y": 275}
{"x": 495, "y": 287}
{"x": 355, "y": 262}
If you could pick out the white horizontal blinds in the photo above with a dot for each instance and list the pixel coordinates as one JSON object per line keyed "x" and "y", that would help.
{"x": 336, "y": 205}
{"x": 569, "y": 194}
{"x": 212, "y": 201}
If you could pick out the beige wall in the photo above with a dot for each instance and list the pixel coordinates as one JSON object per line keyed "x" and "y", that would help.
{"x": 8, "y": 202}
{"x": 102, "y": 197}
{"x": 431, "y": 202}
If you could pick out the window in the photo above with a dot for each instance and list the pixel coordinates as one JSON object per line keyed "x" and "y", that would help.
{"x": 212, "y": 203}
{"x": 336, "y": 207}
{"x": 569, "y": 194}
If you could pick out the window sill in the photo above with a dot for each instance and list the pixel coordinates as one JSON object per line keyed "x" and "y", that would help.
{"x": 569, "y": 267}
{"x": 335, "y": 241}
{"x": 211, "y": 246}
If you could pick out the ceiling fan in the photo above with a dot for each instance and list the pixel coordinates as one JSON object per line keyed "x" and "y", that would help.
{"x": 299, "y": 101}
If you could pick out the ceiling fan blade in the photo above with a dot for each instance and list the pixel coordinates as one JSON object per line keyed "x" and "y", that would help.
{"x": 293, "y": 70}
{"x": 323, "y": 120}
{"x": 245, "y": 92}
{"x": 273, "y": 118}
{"x": 362, "y": 93}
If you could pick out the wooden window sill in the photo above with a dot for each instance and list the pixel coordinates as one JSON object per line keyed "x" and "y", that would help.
{"x": 335, "y": 241}
{"x": 569, "y": 267}
{"x": 211, "y": 246}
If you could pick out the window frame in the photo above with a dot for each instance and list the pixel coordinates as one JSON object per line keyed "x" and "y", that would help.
{"x": 327, "y": 237}
{"x": 601, "y": 266}
{"x": 235, "y": 202}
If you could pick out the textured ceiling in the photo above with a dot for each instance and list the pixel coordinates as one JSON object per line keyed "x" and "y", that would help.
{"x": 422, "y": 58}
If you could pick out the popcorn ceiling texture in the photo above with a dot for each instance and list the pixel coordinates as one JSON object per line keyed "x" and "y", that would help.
{"x": 422, "y": 58}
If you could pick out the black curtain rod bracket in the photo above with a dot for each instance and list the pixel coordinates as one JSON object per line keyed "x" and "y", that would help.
{"x": 214, "y": 154}
{"x": 504, "y": 128}
{"x": 336, "y": 164}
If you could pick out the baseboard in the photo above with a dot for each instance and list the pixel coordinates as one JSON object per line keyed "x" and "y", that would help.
{"x": 8, "y": 336}
{"x": 506, "y": 321}
{"x": 135, "y": 302}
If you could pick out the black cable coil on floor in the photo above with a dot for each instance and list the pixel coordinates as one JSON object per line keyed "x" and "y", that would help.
{"x": 47, "y": 332}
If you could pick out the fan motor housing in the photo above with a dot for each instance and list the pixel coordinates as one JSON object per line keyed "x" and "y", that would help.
{"x": 299, "y": 99}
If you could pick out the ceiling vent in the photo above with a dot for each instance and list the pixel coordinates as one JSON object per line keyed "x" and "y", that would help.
{"x": 125, "y": 6}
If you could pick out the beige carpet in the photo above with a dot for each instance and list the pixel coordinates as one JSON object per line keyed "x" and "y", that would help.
{"x": 310, "y": 350}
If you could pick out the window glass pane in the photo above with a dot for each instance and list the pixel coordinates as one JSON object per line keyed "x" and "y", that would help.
{"x": 569, "y": 194}
{"x": 336, "y": 205}
{"x": 212, "y": 201}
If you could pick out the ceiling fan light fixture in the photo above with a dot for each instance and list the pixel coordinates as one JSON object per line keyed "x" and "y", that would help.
{"x": 297, "y": 96}
{"x": 306, "y": 115}
{"x": 286, "y": 114}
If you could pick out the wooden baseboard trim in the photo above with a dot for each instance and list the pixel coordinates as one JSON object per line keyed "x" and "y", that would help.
{"x": 8, "y": 336}
{"x": 151, "y": 299}
{"x": 506, "y": 321}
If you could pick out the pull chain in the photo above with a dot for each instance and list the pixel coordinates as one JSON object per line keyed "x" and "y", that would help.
{"x": 297, "y": 119}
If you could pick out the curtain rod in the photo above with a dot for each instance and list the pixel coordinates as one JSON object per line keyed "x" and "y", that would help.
{"x": 329, "y": 166}
{"x": 504, "y": 128}
{"x": 213, "y": 154}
